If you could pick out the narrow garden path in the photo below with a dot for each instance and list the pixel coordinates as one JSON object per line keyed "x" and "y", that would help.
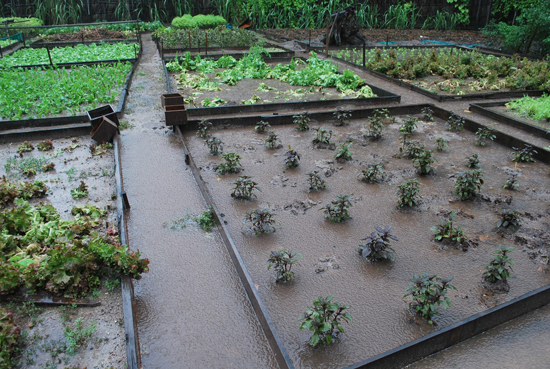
{"x": 192, "y": 311}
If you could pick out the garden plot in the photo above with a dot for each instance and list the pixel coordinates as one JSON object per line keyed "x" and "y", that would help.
{"x": 453, "y": 72}
{"x": 76, "y": 178}
{"x": 331, "y": 264}
{"x": 220, "y": 37}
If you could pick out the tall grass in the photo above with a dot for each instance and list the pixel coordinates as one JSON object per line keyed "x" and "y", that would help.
{"x": 59, "y": 11}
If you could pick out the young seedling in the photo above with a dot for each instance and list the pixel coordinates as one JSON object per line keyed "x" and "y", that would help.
{"x": 271, "y": 140}
{"x": 214, "y": 144}
{"x": 262, "y": 221}
{"x": 455, "y": 122}
{"x": 499, "y": 268}
{"x": 377, "y": 245}
{"x": 204, "y": 128}
{"x": 509, "y": 218}
{"x": 473, "y": 161}
{"x": 232, "y": 163}
{"x": 408, "y": 126}
{"x": 302, "y": 121}
{"x": 413, "y": 149}
{"x": 524, "y": 155}
{"x": 324, "y": 319}
{"x": 292, "y": 158}
{"x": 375, "y": 124}
{"x": 468, "y": 183}
{"x": 409, "y": 193}
{"x": 46, "y": 145}
{"x": 341, "y": 117}
{"x": 428, "y": 292}
{"x": 446, "y": 230}
{"x": 427, "y": 114}
{"x": 282, "y": 262}
{"x": 262, "y": 126}
{"x": 25, "y": 147}
{"x": 484, "y": 134}
{"x": 423, "y": 161}
{"x": 322, "y": 136}
{"x": 344, "y": 153}
{"x": 511, "y": 182}
{"x": 315, "y": 182}
{"x": 337, "y": 210}
{"x": 372, "y": 174}
{"x": 441, "y": 144}
{"x": 81, "y": 191}
{"x": 206, "y": 219}
{"x": 244, "y": 187}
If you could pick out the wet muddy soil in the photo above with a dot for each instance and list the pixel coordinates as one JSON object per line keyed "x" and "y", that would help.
{"x": 42, "y": 342}
{"x": 331, "y": 263}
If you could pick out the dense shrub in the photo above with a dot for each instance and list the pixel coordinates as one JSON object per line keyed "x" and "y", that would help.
{"x": 198, "y": 21}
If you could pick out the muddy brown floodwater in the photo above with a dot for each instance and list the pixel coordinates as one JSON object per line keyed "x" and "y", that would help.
{"x": 331, "y": 264}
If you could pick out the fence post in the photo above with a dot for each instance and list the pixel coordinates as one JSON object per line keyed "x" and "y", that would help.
{"x": 49, "y": 55}
{"x": 363, "y": 54}
{"x": 328, "y": 38}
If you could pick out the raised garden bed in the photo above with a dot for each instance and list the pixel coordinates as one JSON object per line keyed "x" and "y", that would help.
{"x": 331, "y": 263}
{"x": 453, "y": 73}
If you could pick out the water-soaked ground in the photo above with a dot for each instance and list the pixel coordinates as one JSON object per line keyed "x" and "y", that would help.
{"x": 331, "y": 264}
{"x": 192, "y": 309}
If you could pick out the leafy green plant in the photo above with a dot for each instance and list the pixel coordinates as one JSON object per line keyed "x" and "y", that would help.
{"x": 524, "y": 155}
{"x": 198, "y": 21}
{"x": 412, "y": 149}
{"x": 204, "y": 128}
{"x": 468, "y": 183}
{"x": 371, "y": 174}
{"x": 271, "y": 140}
{"x": 484, "y": 134}
{"x": 262, "y": 221}
{"x": 244, "y": 187}
{"x": 232, "y": 163}
{"x": 534, "y": 108}
{"x": 25, "y": 147}
{"x": 282, "y": 262}
{"x": 377, "y": 245}
{"x": 441, "y": 143}
{"x": 81, "y": 191}
{"x": 423, "y": 162}
{"x": 473, "y": 161}
{"x": 292, "y": 158}
{"x": 262, "y": 126}
{"x": 322, "y": 136}
{"x": 499, "y": 268}
{"x": 324, "y": 319}
{"x": 315, "y": 182}
{"x": 9, "y": 191}
{"x": 344, "y": 153}
{"x": 215, "y": 145}
{"x": 408, "y": 193}
{"x": 428, "y": 292}
{"x": 342, "y": 116}
{"x": 206, "y": 219}
{"x": 338, "y": 209}
{"x": 427, "y": 114}
{"x": 455, "y": 122}
{"x": 511, "y": 182}
{"x": 408, "y": 126}
{"x": 98, "y": 150}
{"x": 509, "y": 218}
{"x": 301, "y": 121}
{"x": 375, "y": 124}
{"x": 10, "y": 332}
{"x": 446, "y": 230}
{"x": 78, "y": 335}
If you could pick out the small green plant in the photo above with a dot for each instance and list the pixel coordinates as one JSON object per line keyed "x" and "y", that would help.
{"x": 408, "y": 126}
{"x": 78, "y": 335}
{"x": 206, "y": 219}
{"x": 322, "y": 136}
{"x": 375, "y": 124}
{"x": 468, "y": 183}
{"x": 427, "y": 114}
{"x": 428, "y": 292}
{"x": 262, "y": 126}
{"x": 509, "y": 218}
{"x": 124, "y": 125}
{"x": 292, "y": 158}
{"x": 377, "y": 245}
{"x": 10, "y": 332}
{"x": 282, "y": 262}
{"x": 215, "y": 145}
{"x": 423, "y": 162}
{"x": 315, "y": 182}
{"x": 302, "y": 121}
{"x": 111, "y": 284}
{"x": 271, "y": 140}
{"x": 81, "y": 191}
{"x": 511, "y": 182}
{"x": 324, "y": 319}
{"x": 244, "y": 187}
{"x": 25, "y": 147}
{"x": 499, "y": 268}
{"x": 98, "y": 150}
{"x": 446, "y": 230}
{"x": 441, "y": 144}
{"x": 455, "y": 122}
{"x": 204, "y": 128}
{"x": 232, "y": 163}
{"x": 524, "y": 155}
{"x": 372, "y": 174}
{"x": 344, "y": 153}
{"x": 412, "y": 149}
{"x": 473, "y": 161}
{"x": 338, "y": 209}
{"x": 262, "y": 221}
{"x": 409, "y": 193}
{"x": 45, "y": 145}
{"x": 484, "y": 134}
{"x": 341, "y": 116}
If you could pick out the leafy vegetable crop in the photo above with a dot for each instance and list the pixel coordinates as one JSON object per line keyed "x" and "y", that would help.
{"x": 538, "y": 108}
